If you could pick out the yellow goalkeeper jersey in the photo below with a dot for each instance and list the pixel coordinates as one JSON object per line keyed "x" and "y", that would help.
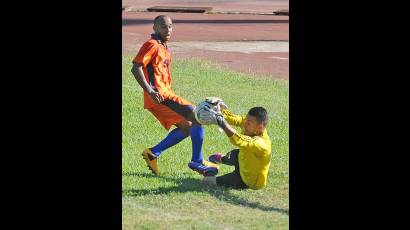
{"x": 254, "y": 153}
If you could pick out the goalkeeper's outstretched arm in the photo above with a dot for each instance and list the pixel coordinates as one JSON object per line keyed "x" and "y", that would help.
{"x": 223, "y": 124}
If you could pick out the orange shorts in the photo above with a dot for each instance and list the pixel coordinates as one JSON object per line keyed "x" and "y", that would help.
{"x": 165, "y": 115}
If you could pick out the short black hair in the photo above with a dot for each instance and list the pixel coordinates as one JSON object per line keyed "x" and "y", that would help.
{"x": 260, "y": 114}
{"x": 160, "y": 18}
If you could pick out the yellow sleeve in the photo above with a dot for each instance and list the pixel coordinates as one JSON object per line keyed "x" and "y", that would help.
{"x": 233, "y": 119}
{"x": 253, "y": 144}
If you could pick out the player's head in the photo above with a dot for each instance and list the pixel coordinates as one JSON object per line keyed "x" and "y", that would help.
{"x": 163, "y": 27}
{"x": 255, "y": 121}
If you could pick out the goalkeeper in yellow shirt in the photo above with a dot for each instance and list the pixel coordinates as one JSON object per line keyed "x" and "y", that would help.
{"x": 252, "y": 159}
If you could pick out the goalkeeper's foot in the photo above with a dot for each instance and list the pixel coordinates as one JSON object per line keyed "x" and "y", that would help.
{"x": 215, "y": 158}
{"x": 203, "y": 169}
{"x": 151, "y": 160}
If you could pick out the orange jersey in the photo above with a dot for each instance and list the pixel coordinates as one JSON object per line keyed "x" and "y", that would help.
{"x": 155, "y": 59}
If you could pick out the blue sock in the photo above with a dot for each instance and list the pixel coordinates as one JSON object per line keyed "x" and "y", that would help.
{"x": 173, "y": 138}
{"x": 197, "y": 136}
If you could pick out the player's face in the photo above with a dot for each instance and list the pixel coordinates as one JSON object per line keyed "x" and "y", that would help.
{"x": 252, "y": 127}
{"x": 164, "y": 28}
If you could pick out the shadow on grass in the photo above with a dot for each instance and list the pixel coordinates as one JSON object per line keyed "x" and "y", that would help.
{"x": 195, "y": 185}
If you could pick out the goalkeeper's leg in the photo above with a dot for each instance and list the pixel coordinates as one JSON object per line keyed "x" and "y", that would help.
{"x": 231, "y": 158}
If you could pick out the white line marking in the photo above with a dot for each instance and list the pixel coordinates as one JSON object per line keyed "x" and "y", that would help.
{"x": 280, "y": 58}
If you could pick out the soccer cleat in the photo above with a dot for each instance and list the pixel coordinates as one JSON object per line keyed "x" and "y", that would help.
{"x": 151, "y": 160}
{"x": 215, "y": 158}
{"x": 203, "y": 169}
{"x": 210, "y": 164}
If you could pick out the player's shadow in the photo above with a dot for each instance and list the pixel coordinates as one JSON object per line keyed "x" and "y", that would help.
{"x": 195, "y": 185}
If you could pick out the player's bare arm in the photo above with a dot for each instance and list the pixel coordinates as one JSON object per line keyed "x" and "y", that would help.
{"x": 139, "y": 76}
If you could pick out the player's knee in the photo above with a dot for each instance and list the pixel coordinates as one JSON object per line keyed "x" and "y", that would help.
{"x": 184, "y": 126}
{"x": 191, "y": 117}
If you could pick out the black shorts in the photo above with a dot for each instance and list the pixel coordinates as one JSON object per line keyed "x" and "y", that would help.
{"x": 233, "y": 179}
{"x": 183, "y": 110}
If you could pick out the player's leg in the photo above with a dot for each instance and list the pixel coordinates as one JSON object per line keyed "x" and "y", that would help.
{"x": 189, "y": 125}
{"x": 195, "y": 131}
{"x": 167, "y": 118}
{"x": 184, "y": 109}
{"x": 231, "y": 158}
{"x": 197, "y": 134}
{"x": 197, "y": 162}
{"x": 173, "y": 138}
{"x": 231, "y": 180}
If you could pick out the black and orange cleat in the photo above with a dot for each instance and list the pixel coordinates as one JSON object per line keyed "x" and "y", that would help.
{"x": 151, "y": 160}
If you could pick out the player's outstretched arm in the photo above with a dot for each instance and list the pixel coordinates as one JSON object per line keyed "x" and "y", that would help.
{"x": 229, "y": 131}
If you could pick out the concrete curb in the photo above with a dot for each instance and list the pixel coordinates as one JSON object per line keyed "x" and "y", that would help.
{"x": 179, "y": 9}
{"x": 203, "y": 10}
{"x": 281, "y": 12}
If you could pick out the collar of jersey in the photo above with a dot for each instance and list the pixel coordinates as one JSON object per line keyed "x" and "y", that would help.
{"x": 158, "y": 38}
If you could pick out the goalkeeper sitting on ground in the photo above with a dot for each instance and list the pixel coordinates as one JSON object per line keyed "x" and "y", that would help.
{"x": 252, "y": 159}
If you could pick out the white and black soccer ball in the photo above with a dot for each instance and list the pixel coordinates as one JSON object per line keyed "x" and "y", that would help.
{"x": 202, "y": 113}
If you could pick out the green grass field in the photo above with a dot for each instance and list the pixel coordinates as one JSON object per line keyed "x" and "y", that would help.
{"x": 176, "y": 199}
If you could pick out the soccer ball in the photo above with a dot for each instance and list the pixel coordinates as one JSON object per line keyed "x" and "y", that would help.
{"x": 201, "y": 112}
